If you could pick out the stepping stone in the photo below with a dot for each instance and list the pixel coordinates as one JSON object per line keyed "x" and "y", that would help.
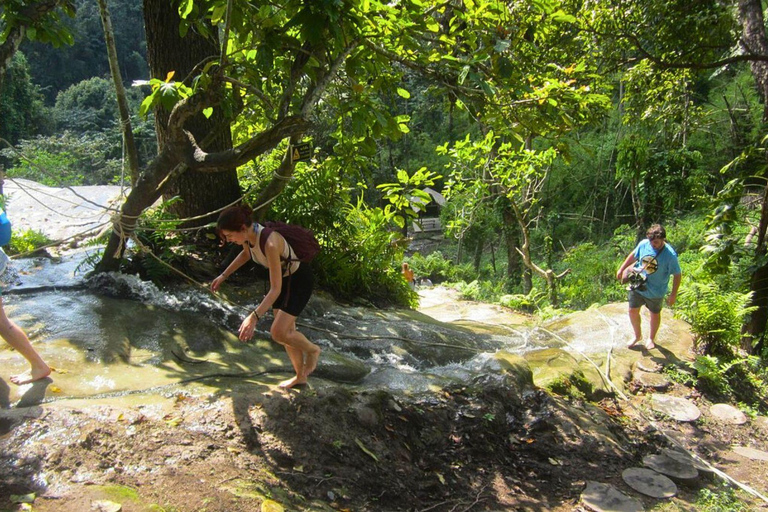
{"x": 649, "y": 482}
{"x": 676, "y": 408}
{"x": 685, "y": 458}
{"x": 750, "y": 453}
{"x": 670, "y": 467}
{"x": 728, "y": 414}
{"x": 650, "y": 380}
{"x": 648, "y": 365}
{"x": 762, "y": 423}
{"x": 606, "y": 498}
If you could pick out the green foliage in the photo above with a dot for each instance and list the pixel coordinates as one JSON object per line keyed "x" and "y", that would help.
{"x": 407, "y": 197}
{"x": 521, "y": 302}
{"x": 720, "y": 500}
{"x": 157, "y": 233}
{"x": 712, "y": 373}
{"x": 27, "y": 241}
{"x": 21, "y": 104}
{"x": 679, "y": 375}
{"x": 165, "y": 93}
{"x": 66, "y": 159}
{"x": 593, "y": 276}
{"x": 435, "y": 267}
{"x": 45, "y": 29}
{"x": 715, "y": 316}
{"x": 361, "y": 249}
{"x": 575, "y": 386}
{"x": 86, "y": 56}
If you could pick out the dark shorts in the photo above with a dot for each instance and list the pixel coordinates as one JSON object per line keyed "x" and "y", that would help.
{"x": 636, "y": 300}
{"x": 295, "y": 291}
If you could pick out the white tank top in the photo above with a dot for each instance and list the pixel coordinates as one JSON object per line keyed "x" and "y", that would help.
{"x": 287, "y": 254}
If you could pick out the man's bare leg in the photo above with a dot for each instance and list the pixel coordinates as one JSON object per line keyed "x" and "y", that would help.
{"x": 655, "y": 323}
{"x": 634, "y": 319}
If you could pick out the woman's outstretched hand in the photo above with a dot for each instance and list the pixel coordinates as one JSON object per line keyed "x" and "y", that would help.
{"x": 248, "y": 327}
{"x": 217, "y": 282}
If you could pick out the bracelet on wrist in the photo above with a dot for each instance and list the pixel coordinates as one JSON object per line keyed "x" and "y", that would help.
{"x": 257, "y": 315}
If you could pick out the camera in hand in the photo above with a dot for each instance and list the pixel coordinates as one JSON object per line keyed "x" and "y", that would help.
{"x": 636, "y": 281}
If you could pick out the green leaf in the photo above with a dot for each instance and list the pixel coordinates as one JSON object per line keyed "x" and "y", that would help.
{"x": 403, "y": 93}
{"x": 185, "y": 8}
{"x": 432, "y": 25}
{"x": 218, "y": 13}
{"x": 207, "y": 112}
{"x": 562, "y": 17}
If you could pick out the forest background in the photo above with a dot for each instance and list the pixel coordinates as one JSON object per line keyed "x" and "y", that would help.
{"x": 558, "y": 131}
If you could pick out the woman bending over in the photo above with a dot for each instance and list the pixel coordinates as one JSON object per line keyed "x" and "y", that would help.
{"x": 290, "y": 286}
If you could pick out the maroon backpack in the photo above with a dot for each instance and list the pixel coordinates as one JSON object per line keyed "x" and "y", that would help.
{"x": 301, "y": 240}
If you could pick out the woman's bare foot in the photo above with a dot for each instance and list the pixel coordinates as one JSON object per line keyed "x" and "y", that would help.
{"x": 311, "y": 362}
{"x": 32, "y": 375}
{"x": 296, "y": 381}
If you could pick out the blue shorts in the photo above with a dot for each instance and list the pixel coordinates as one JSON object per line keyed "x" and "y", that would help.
{"x": 636, "y": 301}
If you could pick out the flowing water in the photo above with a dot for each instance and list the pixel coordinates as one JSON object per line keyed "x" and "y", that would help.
{"x": 114, "y": 335}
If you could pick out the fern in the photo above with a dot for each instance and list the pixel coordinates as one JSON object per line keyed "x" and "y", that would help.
{"x": 715, "y": 316}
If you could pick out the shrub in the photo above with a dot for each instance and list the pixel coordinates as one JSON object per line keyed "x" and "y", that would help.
{"x": 27, "y": 241}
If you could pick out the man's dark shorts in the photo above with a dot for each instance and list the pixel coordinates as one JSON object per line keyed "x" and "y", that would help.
{"x": 636, "y": 300}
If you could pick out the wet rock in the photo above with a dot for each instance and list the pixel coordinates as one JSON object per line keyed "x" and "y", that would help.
{"x": 728, "y": 414}
{"x": 670, "y": 467}
{"x": 648, "y": 365}
{"x": 648, "y": 482}
{"x": 106, "y": 506}
{"x": 750, "y": 453}
{"x": 516, "y": 367}
{"x": 650, "y": 380}
{"x": 340, "y": 368}
{"x": 676, "y": 408}
{"x": 9, "y": 418}
{"x": 606, "y": 498}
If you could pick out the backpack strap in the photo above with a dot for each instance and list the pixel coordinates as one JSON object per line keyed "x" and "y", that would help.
{"x": 263, "y": 235}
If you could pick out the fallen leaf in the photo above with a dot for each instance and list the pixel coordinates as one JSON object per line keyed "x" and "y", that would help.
{"x": 271, "y": 506}
{"x": 55, "y": 389}
{"x": 174, "y": 422}
{"x": 441, "y": 478}
{"x": 23, "y": 498}
{"x": 366, "y": 450}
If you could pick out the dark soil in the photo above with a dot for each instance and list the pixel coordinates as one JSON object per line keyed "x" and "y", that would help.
{"x": 484, "y": 447}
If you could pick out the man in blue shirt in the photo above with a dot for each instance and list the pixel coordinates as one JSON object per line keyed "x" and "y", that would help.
{"x": 647, "y": 269}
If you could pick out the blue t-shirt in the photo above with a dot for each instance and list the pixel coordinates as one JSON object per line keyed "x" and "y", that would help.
{"x": 656, "y": 267}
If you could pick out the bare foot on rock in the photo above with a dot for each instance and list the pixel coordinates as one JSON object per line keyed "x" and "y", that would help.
{"x": 296, "y": 381}
{"x": 32, "y": 375}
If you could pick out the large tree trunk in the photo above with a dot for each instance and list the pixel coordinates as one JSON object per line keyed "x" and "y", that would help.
{"x": 201, "y": 192}
{"x": 511, "y": 242}
{"x": 754, "y": 40}
{"x": 122, "y": 102}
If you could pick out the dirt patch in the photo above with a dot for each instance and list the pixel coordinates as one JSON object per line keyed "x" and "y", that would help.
{"x": 481, "y": 447}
